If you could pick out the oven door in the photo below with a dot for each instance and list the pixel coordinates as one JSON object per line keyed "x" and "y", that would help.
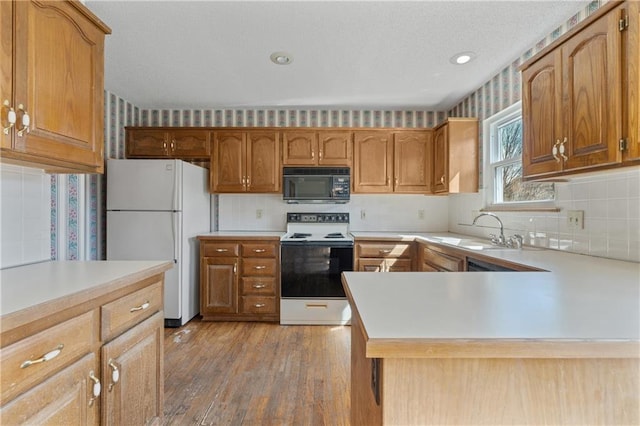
{"x": 312, "y": 270}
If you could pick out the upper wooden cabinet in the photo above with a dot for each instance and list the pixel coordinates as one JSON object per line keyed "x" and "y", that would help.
{"x": 171, "y": 142}
{"x": 632, "y": 83}
{"x": 50, "y": 120}
{"x": 311, "y": 148}
{"x": 246, "y": 161}
{"x": 573, "y": 98}
{"x": 455, "y": 156}
{"x": 387, "y": 161}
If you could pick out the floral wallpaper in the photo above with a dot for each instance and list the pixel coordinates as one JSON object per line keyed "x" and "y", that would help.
{"x": 80, "y": 234}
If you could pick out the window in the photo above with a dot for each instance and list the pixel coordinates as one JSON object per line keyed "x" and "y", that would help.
{"x": 503, "y": 164}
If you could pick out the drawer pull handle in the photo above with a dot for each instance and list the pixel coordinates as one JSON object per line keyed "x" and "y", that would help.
{"x": 142, "y": 307}
{"x": 317, "y": 305}
{"x": 115, "y": 374}
{"x": 11, "y": 117}
{"x": 95, "y": 389}
{"x": 259, "y": 250}
{"x": 259, "y": 267}
{"x": 44, "y": 358}
{"x": 385, "y": 251}
{"x": 221, "y": 250}
{"x": 260, "y": 305}
{"x": 259, "y": 286}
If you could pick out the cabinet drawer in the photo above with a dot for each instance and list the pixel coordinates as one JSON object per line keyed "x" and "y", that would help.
{"x": 259, "y": 267}
{"x": 384, "y": 250}
{"x": 131, "y": 309}
{"x": 258, "y": 305}
{"x": 60, "y": 345}
{"x": 220, "y": 249}
{"x": 441, "y": 260}
{"x": 259, "y": 250}
{"x": 258, "y": 285}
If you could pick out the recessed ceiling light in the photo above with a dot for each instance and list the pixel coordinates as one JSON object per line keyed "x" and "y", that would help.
{"x": 462, "y": 58}
{"x": 281, "y": 58}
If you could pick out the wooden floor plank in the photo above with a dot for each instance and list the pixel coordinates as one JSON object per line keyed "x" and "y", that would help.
{"x": 246, "y": 373}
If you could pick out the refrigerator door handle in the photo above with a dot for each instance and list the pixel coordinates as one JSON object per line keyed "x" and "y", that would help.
{"x": 174, "y": 231}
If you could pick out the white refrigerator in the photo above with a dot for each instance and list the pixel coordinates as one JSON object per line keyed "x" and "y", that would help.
{"x": 155, "y": 210}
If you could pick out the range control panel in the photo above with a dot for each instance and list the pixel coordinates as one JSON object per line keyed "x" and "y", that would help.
{"x": 317, "y": 217}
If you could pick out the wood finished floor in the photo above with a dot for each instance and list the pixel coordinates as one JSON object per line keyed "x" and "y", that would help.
{"x": 240, "y": 373}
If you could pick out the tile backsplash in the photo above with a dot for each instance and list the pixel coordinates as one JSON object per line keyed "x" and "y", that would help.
{"x": 25, "y": 220}
{"x": 610, "y": 202}
{"x": 367, "y": 212}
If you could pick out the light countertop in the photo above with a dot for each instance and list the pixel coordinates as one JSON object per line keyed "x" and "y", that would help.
{"x": 40, "y": 284}
{"x": 242, "y": 234}
{"x": 583, "y": 305}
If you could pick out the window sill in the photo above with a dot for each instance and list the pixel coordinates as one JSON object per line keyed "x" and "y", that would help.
{"x": 520, "y": 208}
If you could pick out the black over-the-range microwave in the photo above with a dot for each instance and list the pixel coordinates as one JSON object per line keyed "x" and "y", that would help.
{"x": 316, "y": 184}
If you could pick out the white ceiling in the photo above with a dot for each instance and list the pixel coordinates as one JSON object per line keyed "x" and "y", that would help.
{"x": 346, "y": 55}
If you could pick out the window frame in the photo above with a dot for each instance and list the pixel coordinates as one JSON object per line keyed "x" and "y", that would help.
{"x": 489, "y": 145}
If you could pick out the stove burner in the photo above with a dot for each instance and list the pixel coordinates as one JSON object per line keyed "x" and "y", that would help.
{"x": 335, "y": 235}
{"x": 300, "y": 235}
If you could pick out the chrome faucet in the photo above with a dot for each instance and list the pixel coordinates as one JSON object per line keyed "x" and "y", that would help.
{"x": 501, "y": 241}
{"x": 515, "y": 241}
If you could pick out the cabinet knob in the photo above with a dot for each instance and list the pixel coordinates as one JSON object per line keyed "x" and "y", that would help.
{"x": 259, "y": 250}
{"x": 260, "y": 267}
{"x": 384, "y": 251}
{"x": 25, "y": 121}
{"x": 554, "y": 150}
{"x": 442, "y": 179}
{"x": 173, "y": 144}
{"x": 259, "y": 286}
{"x": 222, "y": 250}
{"x": 259, "y": 305}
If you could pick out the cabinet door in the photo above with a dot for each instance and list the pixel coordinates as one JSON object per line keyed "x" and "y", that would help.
{"x": 412, "y": 162}
{"x": 6, "y": 71}
{"x": 299, "y": 148}
{"x": 372, "y": 170}
{"x": 335, "y": 148}
{"x": 228, "y": 165}
{"x": 59, "y": 72}
{"x": 133, "y": 384}
{"x": 147, "y": 143}
{"x": 189, "y": 143}
{"x": 592, "y": 90}
{"x": 263, "y": 162}
{"x": 66, "y": 398}
{"x": 542, "y": 115}
{"x": 371, "y": 265}
{"x": 633, "y": 82}
{"x": 441, "y": 159}
{"x": 219, "y": 286}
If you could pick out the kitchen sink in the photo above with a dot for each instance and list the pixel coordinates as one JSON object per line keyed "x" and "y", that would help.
{"x": 470, "y": 243}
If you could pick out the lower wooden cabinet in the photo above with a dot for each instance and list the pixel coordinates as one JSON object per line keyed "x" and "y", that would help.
{"x": 133, "y": 383}
{"x": 432, "y": 258}
{"x": 239, "y": 279}
{"x": 95, "y": 362}
{"x": 384, "y": 256}
{"x": 65, "y": 398}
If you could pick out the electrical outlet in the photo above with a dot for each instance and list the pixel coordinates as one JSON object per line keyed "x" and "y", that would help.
{"x": 421, "y": 214}
{"x": 363, "y": 214}
{"x": 575, "y": 219}
{"x": 258, "y": 213}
